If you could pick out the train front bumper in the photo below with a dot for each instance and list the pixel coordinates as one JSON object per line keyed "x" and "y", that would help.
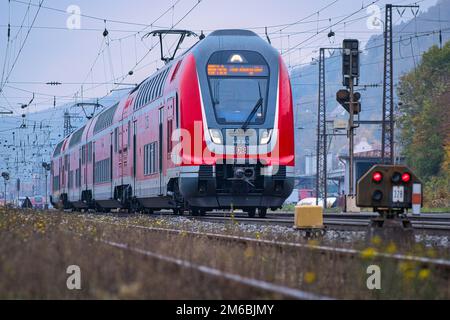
{"x": 218, "y": 187}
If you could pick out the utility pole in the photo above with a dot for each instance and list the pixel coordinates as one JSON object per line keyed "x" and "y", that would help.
{"x": 387, "y": 133}
{"x": 67, "y": 124}
{"x": 321, "y": 152}
{"x": 322, "y": 137}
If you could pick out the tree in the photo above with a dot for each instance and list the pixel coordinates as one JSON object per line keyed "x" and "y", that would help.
{"x": 425, "y": 119}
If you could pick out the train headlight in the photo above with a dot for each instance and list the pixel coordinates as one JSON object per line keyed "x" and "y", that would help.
{"x": 216, "y": 136}
{"x": 265, "y": 137}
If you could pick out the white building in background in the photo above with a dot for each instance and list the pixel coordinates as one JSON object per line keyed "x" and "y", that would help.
{"x": 311, "y": 164}
{"x": 363, "y": 146}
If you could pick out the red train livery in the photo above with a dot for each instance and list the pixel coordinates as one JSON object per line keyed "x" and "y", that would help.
{"x": 211, "y": 129}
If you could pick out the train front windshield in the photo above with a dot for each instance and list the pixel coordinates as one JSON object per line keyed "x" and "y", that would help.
{"x": 238, "y": 84}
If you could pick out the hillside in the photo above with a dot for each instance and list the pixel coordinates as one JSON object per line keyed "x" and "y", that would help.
{"x": 411, "y": 40}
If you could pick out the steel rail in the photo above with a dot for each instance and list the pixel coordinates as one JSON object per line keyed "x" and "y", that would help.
{"x": 214, "y": 272}
{"x": 347, "y": 251}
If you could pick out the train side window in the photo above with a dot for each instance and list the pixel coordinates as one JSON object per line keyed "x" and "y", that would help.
{"x": 150, "y": 156}
{"x": 177, "y": 114}
{"x": 90, "y": 151}
{"x": 116, "y": 140}
{"x": 169, "y": 135}
{"x": 141, "y": 95}
{"x": 129, "y": 134}
{"x": 149, "y": 91}
{"x": 152, "y": 90}
{"x": 83, "y": 154}
{"x": 145, "y": 94}
{"x": 158, "y": 87}
{"x": 163, "y": 82}
{"x": 152, "y": 94}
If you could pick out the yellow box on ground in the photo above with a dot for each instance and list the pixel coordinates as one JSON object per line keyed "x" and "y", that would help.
{"x": 308, "y": 217}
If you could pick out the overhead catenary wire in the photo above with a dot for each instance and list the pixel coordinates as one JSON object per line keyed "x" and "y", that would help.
{"x": 22, "y": 46}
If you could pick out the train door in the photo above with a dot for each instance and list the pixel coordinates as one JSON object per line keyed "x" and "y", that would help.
{"x": 59, "y": 175}
{"x": 111, "y": 154}
{"x": 172, "y": 124}
{"x": 161, "y": 148}
{"x": 78, "y": 183}
{"x": 134, "y": 160}
{"x": 93, "y": 170}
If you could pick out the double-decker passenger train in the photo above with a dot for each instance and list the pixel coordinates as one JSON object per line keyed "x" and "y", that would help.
{"x": 212, "y": 129}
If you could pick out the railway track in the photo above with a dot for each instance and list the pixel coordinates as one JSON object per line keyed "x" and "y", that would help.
{"x": 210, "y": 271}
{"x": 349, "y": 252}
{"x": 427, "y": 222}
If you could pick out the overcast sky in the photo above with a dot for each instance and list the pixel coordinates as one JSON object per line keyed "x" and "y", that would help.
{"x": 52, "y": 52}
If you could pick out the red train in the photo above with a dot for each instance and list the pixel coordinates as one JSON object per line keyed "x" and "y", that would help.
{"x": 211, "y": 129}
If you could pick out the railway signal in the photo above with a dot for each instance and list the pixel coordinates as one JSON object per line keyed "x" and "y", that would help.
{"x": 343, "y": 97}
{"x": 5, "y": 176}
{"x": 350, "y": 101}
{"x": 350, "y": 62}
{"x": 389, "y": 190}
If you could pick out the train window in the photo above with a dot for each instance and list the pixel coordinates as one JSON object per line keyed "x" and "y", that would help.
{"x": 155, "y": 87}
{"x": 116, "y": 140}
{"x": 238, "y": 83}
{"x": 234, "y": 99}
{"x": 161, "y": 83}
{"x": 83, "y": 154}
{"x": 141, "y": 94}
{"x": 169, "y": 135}
{"x": 150, "y": 156}
{"x": 55, "y": 183}
{"x": 146, "y": 93}
{"x": 90, "y": 152}
{"x": 70, "y": 183}
{"x": 174, "y": 74}
{"x": 129, "y": 134}
{"x": 102, "y": 171}
{"x": 177, "y": 111}
{"x": 152, "y": 89}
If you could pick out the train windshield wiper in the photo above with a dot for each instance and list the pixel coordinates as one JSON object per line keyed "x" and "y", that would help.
{"x": 255, "y": 108}
{"x": 252, "y": 114}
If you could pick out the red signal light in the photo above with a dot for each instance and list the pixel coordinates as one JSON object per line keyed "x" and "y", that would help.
{"x": 377, "y": 176}
{"x": 406, "y": 177}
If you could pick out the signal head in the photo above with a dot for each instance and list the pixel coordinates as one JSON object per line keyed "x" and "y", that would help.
{"x": 377, "y": 177}
{"x": 406, "y": 177}
{"x": 396, "y": 177}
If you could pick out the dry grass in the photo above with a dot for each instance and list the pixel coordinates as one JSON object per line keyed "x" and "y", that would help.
{"x": 35, "y": 250}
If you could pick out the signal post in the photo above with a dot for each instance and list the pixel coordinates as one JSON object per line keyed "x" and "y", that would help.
{"x": 349, "y": 99}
